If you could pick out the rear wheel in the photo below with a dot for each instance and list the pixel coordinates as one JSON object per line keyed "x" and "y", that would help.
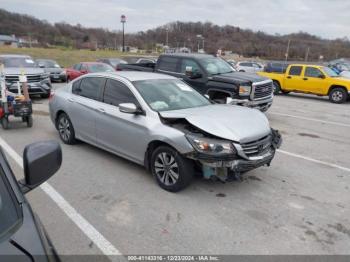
{"x": 338, "y": 95}
{"x": 172, "y": 171}
{"x": 65, "y": 129}
{"x": 5, "y": 123}
{"x": 276, "y": 88}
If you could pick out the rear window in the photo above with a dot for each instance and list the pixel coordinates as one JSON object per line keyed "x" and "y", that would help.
{"x": 295, "y": 70}
{"x": 90, "y": 87}
{"x": 168, "y": 64}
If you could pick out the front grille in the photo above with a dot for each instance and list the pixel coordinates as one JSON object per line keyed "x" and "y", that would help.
{"x": 263, "y": 90}
{"x": 257, "y": 147}
{"x": 30, "y": 78}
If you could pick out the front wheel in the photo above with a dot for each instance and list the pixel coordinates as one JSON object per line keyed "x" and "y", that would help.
{"x": 172, "y": 171}
{"x": 338, "y": 95}
{"x": 65, "y": 129}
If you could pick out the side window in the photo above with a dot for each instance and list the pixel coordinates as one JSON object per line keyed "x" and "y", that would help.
{"x": 77, "y": 67}
{"x": 188, "y": 62}
{"x": 116, "y": 93}
{"x": 168, "y": 64}
{"x": 76, "y": 87}
{"x": 295, "y": 70}
{"x": 90, "y": 87}
{"x": 313, "y": 72}
{"x": 84, "y": 67}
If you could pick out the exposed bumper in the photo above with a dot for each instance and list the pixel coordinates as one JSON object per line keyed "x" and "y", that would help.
{"x": 262, "y": 104}
{"x": 228, "y": 168}
{"x": 58, "y": 77}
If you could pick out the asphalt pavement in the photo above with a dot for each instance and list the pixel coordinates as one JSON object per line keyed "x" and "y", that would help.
{"x": 298, "y": 205}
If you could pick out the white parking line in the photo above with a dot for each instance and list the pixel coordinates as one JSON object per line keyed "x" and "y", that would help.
{"x": 89, "y": 230}
{"x": 314, "y": 160}
{"x": 311, "y": 119}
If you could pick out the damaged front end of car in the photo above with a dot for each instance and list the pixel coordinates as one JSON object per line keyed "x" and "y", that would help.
{"x": 225, "y": 160}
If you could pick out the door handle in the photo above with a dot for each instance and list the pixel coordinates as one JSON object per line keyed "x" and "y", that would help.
{"x": 289, "y": 77}
{"x": 305, "y": 78}
{"x": 101, "y": 110}
{"x": 71, "y": 100}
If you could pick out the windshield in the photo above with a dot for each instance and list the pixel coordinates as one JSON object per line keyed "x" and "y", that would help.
{"x": 168, "y": 94}
{"x": 330, "y": 72}
{"x": 8, "y": 209}
{"x": 95, "y": 68}
{"x": 215, "y": 65}
{"x": 18, "y": 62}
{"x": 48, "y": 63}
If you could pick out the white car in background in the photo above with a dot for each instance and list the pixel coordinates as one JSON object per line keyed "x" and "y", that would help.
{"x": 250, "y": 67}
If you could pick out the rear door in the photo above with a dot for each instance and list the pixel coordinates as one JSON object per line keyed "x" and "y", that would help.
{"x": 120, "y": 132}
{"x": 294, "y": 79}
{"x": 169, "y": 65}
{"x": 84, "y": 106}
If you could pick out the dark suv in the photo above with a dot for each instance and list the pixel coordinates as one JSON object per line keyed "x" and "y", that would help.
{"x": 22, "y": 236}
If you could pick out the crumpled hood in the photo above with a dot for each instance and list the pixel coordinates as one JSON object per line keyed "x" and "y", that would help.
{"x": 239, "y": 77}
{"x": 27, "y": 71}
{"x": 236, "y": 123}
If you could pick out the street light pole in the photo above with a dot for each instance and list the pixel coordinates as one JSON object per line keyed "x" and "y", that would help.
{"x": 123, "y": 21}
{"x": 167, "y": 36}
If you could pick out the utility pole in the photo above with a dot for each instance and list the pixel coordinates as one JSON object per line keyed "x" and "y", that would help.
{"x": 123, "y": 21}
{"x": 167, "y": 37}
{"x": 287, "y": 52}
{"x": 307, "y": 54}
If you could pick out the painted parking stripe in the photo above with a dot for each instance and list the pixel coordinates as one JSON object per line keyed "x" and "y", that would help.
{"x": 311, "y": 119}
{"x": 314, "y": 160}
{"x": 89, "y": 230}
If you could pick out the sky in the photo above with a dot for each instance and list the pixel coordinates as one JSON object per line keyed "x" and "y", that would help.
{"x": 325, "y": 18}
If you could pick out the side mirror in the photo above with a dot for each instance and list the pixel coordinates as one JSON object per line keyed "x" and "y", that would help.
{"x": 129, "y": 108}
{"x": 83, "y": 71}
{"x": 192, "y": 74}
{"x": 322, "y": 76}
{"x": 40, "y": 161}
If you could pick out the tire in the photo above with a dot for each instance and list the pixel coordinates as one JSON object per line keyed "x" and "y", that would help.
{"x": 65, "y": 129}
{"x": 29, "y": 120}
{"x": 241, "y": 71}
{"x": 285, "y": 92}
{"x": 5, "y": 123}
{"x": 338, "y": 95}
{"x": 276, "y": 88}
{"x": 166, "y": 158}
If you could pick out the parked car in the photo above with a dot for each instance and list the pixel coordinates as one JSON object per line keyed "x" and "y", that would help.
{"x": 311, "y": 79}
{"x": 232, "y": 62}
{"x": 22, "y": 236}
{"x": 57, "y": 73}
{"x": 162, "y": 123}
{"x": 276, "y": 67}
{"x": 85, "y": 68}
{"x": 113, "y": 62}
{"x": 250, "y": 67}
{"x": 214, "y": 77}
{"x": 340, "y": 65}
{"x": 38, "y": 80}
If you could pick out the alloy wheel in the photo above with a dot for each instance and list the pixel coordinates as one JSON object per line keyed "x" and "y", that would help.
{"x": 64, "y": 128}
{"x": 166, "y": 169}
{"x": 337, "y": 96}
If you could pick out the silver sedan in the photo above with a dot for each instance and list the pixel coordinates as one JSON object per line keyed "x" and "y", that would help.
{"x": 162, "y": 123}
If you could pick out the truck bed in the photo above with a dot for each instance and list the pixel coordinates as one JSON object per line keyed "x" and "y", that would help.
{"x": 149, "y": 67}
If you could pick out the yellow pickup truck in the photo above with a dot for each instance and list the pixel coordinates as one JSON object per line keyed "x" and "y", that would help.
{"x": 311, "y": 79}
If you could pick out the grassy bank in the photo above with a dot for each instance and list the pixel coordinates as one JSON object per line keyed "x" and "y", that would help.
{"x": 65, "y": 57}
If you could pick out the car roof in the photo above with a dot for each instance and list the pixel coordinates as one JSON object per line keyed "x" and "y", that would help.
{"x": 314, "y": 65}
{"x": 188, "y": 55}
{"x": 15, "y": 55}
{"x": 133, "y": 75}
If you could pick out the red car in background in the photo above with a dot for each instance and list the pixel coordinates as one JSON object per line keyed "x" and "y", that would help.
{"x": 85, "y": 68}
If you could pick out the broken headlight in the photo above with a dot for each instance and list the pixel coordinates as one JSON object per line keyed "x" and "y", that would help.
{"x": 211, "y": 146}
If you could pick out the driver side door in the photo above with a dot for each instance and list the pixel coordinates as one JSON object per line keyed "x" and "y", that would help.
{"x": 119, "y": 132}
{"x": 197, "y": 83}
